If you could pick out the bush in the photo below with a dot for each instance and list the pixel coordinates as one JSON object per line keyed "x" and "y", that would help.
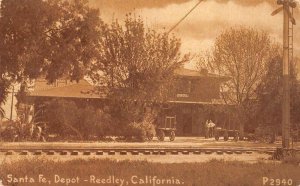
{"x": 93, "y": 123}
{"x": 141, "y": 131}
{"x": 66, "y": 119}
{"x": 135, "y": 130}
{"x": 61, "y": 116}
{"x": 9, "y": 131}
{"x": 295, "y": 160}
{"x": 69, "y": 121}
{"x": 265, "y": 133}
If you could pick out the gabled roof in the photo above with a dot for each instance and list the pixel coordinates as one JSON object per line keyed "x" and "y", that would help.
{"x": 84, "y": 89}
{"x": 65, "y": 89}
{"x": 184, "y": 72}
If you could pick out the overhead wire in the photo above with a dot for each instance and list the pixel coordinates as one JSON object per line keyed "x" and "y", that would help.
{"x": 188, "y": 13}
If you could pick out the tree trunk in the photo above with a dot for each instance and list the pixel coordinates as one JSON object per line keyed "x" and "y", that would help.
{"x": 242, "y": 120}
{"x": 241, "y": 130}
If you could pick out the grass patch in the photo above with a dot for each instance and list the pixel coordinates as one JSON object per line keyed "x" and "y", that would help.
{"x": 194, "y": 174}
{"x": 292, "y": 159}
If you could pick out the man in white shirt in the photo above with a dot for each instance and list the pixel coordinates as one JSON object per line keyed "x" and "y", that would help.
{"x": 211, "y": 127}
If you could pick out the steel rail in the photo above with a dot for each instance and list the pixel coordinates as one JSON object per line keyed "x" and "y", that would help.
{"x": 134, "y": 151}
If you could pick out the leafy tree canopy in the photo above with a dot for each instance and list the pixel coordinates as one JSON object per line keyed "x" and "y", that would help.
{"x": 242, "y": 54}
{"x": 136, "y": 63}
{"x": 49, "y": 38}
{"x": 269, "y": 95}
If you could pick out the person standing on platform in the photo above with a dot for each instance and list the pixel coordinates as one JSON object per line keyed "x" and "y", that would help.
{"x": 206, "y": 129}
{"x": 211, "y": 126}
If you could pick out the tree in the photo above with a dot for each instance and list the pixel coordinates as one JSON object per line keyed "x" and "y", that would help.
{"x": 49, "y": 38}
{"x": 136, "y": 64}
{"x": 242, "y": 54}
{"x": 4, "y": 86}
{"x": 269, "y": 95}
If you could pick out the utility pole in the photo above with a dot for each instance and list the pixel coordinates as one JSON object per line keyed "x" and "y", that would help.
{"x": 12, "y": 102}
{"x": 286, "y": 79}
{"x": 287, "y": 6}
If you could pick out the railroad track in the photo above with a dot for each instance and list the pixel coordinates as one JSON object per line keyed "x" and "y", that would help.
{"x": 133, "y": 151}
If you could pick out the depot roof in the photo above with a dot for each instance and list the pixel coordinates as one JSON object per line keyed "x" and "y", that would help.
{"x": 85, "y": 89}
{"x": 64, "y": 89}
{"x": 184, "y": 72}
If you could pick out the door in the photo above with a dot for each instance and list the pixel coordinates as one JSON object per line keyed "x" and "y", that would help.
{"x": 187, "y": 125}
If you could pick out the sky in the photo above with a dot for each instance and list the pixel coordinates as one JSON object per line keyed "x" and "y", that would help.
{"x": 199, "y": 30}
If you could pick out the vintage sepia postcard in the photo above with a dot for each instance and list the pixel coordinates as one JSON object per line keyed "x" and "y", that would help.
{"x": 149, "y": 92}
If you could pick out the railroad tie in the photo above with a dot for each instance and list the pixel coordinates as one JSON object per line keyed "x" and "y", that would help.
{"x": 86, "y": 153}
{"x": 74, "y": 153}
{"x": 147, "y": 152}
{"x": 238, "y": 152}
{"x": 208, "y": 152}
{"x": 51, "y": 152}
{"x": 123, "y": 152}
{"x": 155, "y": 152}
{"x": 63, "y": 153}
{"x": 9, "y": 153}
{"x": 38, "y": 152}
{"x": 162, "y": 152}
{"x": 197, "y": 152}
{"x": 174, "y": 152}
{"x": 185, "y": 152}
{"x": 229, "y": 152}
{"x": 111, "y": 152}
{"x": 99, "y": 152}
{"x": 24, "y": 152}
{"x": 135, "y": 152}
{"x": 219, "y": 152}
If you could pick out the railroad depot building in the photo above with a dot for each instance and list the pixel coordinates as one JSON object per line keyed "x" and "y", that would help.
{"x": 196, "y": 99}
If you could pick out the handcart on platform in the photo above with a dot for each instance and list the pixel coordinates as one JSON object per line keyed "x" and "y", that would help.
{"x": 167, "y": 128}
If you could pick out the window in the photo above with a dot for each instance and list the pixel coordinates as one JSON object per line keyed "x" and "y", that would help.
{"x": 184, "y": 88}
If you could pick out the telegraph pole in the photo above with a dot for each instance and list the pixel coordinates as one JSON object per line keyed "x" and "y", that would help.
{"x": 287, "y": 5}
{"x": 286, "y": 79}
{"x": 12, "y": 103}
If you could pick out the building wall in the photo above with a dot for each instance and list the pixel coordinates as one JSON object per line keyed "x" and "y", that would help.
{"x": 203, "y": 89}
{"x": 198, "y": 93}
{"x": 191, "y": 118}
